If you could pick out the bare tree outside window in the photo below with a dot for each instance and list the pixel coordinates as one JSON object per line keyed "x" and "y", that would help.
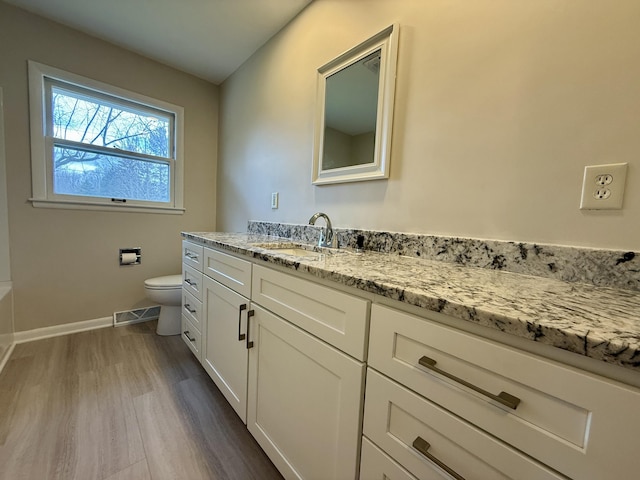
{"x": 84, "y": 165}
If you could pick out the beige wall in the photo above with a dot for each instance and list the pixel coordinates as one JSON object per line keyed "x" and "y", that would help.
{"x": 64, "y": 263}
{"x": 500, "y": 104}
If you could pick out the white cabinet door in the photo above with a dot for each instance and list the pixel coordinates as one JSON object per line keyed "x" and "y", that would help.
{"x": 224, "y": 351}
{"x": 305, "y": 400}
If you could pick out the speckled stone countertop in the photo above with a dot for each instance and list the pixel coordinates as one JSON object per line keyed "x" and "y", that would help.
{"x": 598, "y": 322}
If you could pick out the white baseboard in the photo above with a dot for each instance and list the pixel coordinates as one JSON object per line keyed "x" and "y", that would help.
{"x": 65, "y": 329}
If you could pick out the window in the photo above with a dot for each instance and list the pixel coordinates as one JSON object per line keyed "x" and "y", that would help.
{"x": 100, "y": 147}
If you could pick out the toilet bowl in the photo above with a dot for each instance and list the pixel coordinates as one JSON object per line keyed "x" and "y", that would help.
{"x": 166, "y": 292}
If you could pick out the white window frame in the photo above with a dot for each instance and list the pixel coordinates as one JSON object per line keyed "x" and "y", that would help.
{"x": 42, "y": 145}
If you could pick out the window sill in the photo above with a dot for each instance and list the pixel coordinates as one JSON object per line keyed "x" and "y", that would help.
{"x": 132, "y": 208}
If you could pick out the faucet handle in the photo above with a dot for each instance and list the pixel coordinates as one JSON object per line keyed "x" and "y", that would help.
{"x": 333, "y": 241}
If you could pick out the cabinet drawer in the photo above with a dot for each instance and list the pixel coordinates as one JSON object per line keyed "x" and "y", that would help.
{"x": 571, "y": 420}
{"x": 230, "y": 271}
{"x": 335, "y": 317}
{"x": 191, "y": 337}
{"x": 377, "y": 465}
{"x": 395, "y": 419}
{"x": 192, "y": 281}
{"x": 192, "y": 255}
{"x": 192, "y": 309}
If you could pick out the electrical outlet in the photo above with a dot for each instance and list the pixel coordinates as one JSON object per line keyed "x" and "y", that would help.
{"x": 274, "y": 200}
{"x": 603, "y": 186}
{"x": 605, "y": 179}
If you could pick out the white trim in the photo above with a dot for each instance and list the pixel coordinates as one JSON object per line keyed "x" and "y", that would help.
{"x": 65, "y": 329}
{"x": 37, "y": 109}
{"x": 79, "y": 205}
{"x": 387, "y": 42}
{"x": 5, "y": 287}
{"x": 42, "y": 196}
{"x": 7, "y": 355}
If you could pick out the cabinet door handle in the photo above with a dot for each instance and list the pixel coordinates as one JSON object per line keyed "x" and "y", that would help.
{"x": 422, "y": 446}
{"x": 188, "y": 307}
{"x": 186, "y": 334}
{"x": 242, "y": 307}
{"x": 250, "y": 314}
{"x": 503, "y": 398}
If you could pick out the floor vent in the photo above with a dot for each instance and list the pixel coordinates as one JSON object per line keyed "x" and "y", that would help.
{"x": 135, "y": 316}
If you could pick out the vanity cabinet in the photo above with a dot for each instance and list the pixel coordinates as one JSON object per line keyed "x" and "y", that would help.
{"x": 291, "y": 355}
{"x": 226, "y": 306}
{"x": 461, "y": 393}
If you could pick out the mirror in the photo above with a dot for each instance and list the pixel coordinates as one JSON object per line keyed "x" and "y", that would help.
{"x": 352, "y": 140}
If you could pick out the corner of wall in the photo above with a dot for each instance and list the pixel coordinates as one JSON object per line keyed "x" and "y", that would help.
{"x": 7, "y": 337}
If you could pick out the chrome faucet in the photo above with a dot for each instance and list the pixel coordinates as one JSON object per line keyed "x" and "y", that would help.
{"x": 327, "y": 238}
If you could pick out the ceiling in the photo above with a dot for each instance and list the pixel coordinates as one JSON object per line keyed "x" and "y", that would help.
{"x": 207, "y": 38}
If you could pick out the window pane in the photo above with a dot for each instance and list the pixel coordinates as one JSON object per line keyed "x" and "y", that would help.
{"x": 95, "y": 121}
{"x": 83, "y": 173}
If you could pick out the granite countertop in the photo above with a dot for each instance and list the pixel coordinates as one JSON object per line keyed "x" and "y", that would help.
{"x": 598, "y": 322}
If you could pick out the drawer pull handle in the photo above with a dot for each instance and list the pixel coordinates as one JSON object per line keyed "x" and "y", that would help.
{"x": 241, "y": 308}
{"x": 422, "y": 446}
{"x": 188, "y": 307}
{"x": 191, "y": 282}
{"x": 186, "y": 334}
{"x": 503, "y": 398}
{"x": 191, "y": 256}
{"x": 250, "y": 314}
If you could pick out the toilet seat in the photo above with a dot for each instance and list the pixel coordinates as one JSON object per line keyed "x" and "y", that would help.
{"x": 168, "y": 282}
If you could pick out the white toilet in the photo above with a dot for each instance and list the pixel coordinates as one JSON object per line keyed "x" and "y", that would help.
{"x": 166, "y": 292}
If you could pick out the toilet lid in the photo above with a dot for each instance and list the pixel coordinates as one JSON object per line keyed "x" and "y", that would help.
{"x": 164, "y": 283}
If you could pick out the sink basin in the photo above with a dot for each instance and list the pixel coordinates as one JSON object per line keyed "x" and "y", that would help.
{"x": 297, "y": 250}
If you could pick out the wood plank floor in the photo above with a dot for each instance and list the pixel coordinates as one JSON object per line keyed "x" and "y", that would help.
{"x": 119, "y": 404}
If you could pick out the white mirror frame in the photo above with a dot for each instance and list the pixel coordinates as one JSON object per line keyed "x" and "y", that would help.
{"x": 387, "y": 42}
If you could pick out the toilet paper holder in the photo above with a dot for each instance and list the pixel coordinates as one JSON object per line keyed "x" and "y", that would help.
{"x": 130, "y": 256}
